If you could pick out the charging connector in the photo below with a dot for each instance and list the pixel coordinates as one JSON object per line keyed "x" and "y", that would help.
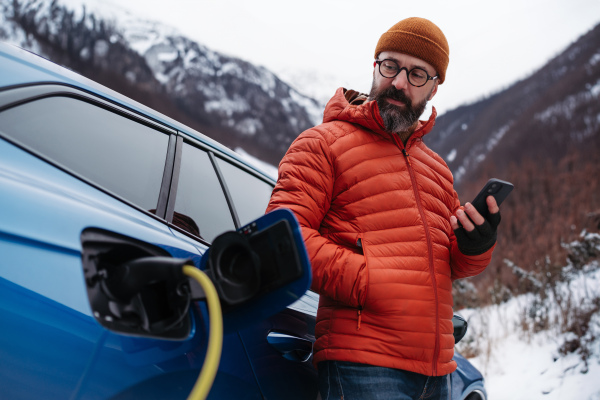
{"x": 139, "y": 289}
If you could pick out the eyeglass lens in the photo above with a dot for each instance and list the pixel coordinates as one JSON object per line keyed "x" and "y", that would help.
{"x": 416, "y": 76}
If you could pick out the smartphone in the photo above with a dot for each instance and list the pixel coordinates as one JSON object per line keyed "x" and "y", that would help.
{"x": 494, "y": 187}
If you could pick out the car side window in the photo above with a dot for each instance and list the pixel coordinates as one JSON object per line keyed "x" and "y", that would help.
{"x": 250, "y": 194}
{"x": 112, "y": 151}
{"x": 200, "y": 207}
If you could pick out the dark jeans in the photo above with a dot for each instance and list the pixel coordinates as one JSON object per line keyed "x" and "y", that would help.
{"x": 351, "y": 381}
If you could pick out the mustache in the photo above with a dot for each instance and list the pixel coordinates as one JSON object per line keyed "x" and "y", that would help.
{"x": 398, "y": 95}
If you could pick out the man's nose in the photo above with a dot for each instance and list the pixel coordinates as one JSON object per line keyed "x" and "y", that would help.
{"x": 401, "y": 80}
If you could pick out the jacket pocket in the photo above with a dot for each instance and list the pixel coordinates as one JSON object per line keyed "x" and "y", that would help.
{"x": 364, "y": 273}
{"x": 359, "y": 244}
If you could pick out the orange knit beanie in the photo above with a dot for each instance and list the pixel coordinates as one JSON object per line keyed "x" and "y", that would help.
{"x": 420, "y": 38}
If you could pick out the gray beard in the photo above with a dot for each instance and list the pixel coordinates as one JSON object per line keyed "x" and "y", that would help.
{"x": 395, "y": 119}
{"x": 399, "y": 121}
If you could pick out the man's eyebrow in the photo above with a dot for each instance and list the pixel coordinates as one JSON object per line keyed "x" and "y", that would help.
{"x": 410, "y": 66}
{"x": 402, "y": 65}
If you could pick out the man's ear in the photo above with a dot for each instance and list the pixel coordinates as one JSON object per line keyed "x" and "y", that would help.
{"x": 434, "y": 90}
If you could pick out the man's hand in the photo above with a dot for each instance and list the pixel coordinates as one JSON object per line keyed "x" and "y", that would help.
{"x": 476, "y": 235}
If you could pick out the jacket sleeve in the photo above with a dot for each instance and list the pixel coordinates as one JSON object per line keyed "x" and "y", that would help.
{"x": 464, "y": 266}
{"x": 305, "y": 186}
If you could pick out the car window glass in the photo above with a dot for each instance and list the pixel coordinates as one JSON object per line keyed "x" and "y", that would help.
{"x": 200, "y": 207}
{"x": 112, "y": 151}
{"x": 250, "y": 194}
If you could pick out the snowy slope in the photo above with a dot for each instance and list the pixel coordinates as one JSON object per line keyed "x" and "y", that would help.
{"x": 520, "y": 364}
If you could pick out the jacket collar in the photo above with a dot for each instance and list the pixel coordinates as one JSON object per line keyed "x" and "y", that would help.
{"x": 352, "y": 106}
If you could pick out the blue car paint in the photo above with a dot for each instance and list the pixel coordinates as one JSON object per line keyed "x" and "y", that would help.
{"x": 274, "y": 376}
{"x": 50, "y": 344}
{"x": 87, "y": 361}
{"x": 42, "y": 264}
{"x": 466, "y": 378}
{"x": 45, "y": 213}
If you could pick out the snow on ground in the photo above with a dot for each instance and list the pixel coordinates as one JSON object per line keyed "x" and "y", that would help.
{"x": 518, "y": 365}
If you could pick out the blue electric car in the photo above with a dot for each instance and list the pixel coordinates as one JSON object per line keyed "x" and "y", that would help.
{"x": 90, "y": 179}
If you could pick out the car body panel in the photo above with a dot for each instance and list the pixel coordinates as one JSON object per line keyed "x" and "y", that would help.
{"x": 276, "y": 376}
{"x": 43, "y": 290}
{"x": 466, "y": 379}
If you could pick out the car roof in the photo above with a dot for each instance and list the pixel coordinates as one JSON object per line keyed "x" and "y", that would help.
{"x": 21, "y": 67}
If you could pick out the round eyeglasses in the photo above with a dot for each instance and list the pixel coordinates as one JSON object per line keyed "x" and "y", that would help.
{"x": 417, "y": 76}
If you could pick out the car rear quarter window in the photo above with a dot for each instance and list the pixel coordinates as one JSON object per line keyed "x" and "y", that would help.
{"x": 250, "y": 194}
{"x": 112, "y": 151}
{"x": 200, "y": 207}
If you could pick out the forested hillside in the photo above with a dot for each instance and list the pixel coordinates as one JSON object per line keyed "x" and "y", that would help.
{"x": 543, "y": 135}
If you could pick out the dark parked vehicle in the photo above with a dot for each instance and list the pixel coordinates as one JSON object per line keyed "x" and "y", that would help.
{"x": 89, "y": 177}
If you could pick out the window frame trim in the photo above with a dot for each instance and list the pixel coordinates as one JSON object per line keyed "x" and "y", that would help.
{"x": 228, "y": 197}
{"x": 213, "y": 155}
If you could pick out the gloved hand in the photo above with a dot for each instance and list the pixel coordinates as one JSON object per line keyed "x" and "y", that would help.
{"x": 480, "y": 239}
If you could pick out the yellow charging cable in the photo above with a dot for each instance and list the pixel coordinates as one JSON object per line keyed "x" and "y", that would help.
{"x": 215, "y": 335}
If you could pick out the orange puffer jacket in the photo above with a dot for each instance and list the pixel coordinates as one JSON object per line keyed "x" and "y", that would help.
{"x": 375, "y": 219}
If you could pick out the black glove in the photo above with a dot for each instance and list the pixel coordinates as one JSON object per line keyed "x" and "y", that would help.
{"x": 480, "y": 239}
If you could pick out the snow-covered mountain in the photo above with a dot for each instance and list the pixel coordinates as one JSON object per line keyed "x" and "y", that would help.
{"x": 224, "y": 97}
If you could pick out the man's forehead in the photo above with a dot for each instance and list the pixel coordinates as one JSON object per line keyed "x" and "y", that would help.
{"x": 406, "y": 60}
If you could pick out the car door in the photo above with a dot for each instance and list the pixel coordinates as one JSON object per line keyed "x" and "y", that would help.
{"x": 280, "y": 347}
{"x": 71, "y": 161}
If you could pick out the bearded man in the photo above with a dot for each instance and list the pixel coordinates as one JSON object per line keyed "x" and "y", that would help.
{"x": 380, "y": 219}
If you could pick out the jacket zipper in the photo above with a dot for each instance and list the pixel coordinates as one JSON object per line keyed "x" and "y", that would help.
{"x": 407, "y": 159}
{"x": 413, "y": 179}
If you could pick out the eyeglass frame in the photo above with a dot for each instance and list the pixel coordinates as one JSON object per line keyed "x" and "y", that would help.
{"x": 429, "y": 78}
